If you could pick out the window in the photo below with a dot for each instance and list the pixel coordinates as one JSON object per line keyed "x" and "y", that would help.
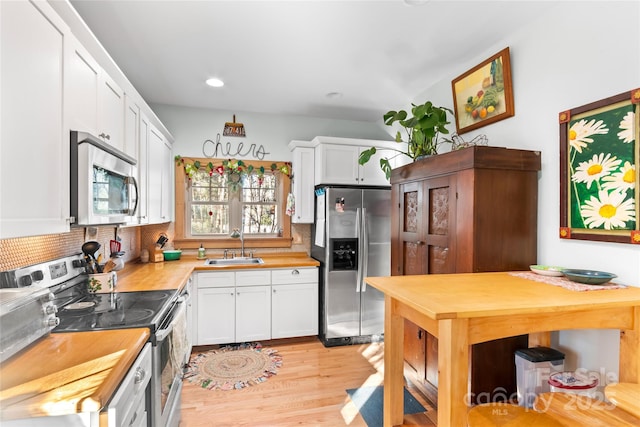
{"x": 215, "y": 198}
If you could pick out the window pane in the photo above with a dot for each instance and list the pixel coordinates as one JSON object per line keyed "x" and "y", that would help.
{"x": 209, "y": 219}
{"x": 257, "y": 190}
{"x": 205, "y": 187}
{"x": 260, "y": 219}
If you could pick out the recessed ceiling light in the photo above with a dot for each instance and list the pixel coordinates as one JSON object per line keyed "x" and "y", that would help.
{"x": 215, "y": 82}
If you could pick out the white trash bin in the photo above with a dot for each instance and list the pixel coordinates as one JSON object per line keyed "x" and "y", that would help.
{"x": 534, "y": 366}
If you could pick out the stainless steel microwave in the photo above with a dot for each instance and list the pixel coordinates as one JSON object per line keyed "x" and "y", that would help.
{"x": 103, "y": 187}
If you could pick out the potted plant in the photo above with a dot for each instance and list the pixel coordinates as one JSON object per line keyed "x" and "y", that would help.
{"x": 423, "y": 131}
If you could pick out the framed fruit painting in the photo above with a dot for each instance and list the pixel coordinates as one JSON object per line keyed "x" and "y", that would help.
{"x": 599, "y": 158}
{"x": 484, "y": 94}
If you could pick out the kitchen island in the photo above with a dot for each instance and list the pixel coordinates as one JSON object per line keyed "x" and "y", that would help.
{"x": 466, "y": 309}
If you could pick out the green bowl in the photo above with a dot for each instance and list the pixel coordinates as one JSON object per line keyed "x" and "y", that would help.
{"x": 172, "y": 255}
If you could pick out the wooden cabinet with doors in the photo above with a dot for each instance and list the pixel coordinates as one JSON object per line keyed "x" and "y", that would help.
{"x": 467, "y": 211}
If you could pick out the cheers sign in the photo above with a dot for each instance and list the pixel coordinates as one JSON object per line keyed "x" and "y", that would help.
{"x": 217, "y": 149}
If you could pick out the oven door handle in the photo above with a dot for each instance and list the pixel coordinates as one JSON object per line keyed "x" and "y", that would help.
{"x": 161, "y": 334}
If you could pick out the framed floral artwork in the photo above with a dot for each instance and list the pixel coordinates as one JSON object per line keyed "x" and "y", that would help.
{"x": 484, "y": 94}
{"x": 599, "y": 157}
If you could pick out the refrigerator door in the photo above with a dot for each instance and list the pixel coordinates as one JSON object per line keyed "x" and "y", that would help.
{"x": 341, "y": 296}
{"x": 376, "y": 257}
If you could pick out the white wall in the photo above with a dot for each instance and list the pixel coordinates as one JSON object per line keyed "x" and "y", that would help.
{"x": 578, "y": 53}
{"x": 192, "y": 126}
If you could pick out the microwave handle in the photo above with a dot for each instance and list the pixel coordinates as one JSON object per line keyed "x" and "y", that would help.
{"x": 132, "y": 181}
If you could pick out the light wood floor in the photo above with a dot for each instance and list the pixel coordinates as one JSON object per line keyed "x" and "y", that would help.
{"x": 309, "y": 389}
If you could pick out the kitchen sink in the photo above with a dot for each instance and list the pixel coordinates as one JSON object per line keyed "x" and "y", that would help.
{"x": 221, "y": 262}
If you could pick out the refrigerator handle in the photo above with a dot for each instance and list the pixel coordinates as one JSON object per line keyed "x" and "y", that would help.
{"x": 359, "y": 234}
{"x": 364, "y": 250}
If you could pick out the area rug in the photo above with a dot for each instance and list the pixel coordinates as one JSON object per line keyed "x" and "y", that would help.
{"x": 369, "y": 401}
{"x": 233, "y": 367}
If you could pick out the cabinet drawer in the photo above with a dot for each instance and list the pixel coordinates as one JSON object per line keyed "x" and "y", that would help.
{"x": 253, "y": 277}
{"x": 294, "y": 275}
{"x": 216, "y": 279}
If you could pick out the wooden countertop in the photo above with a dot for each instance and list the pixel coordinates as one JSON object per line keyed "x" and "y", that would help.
{"x": 446, "y": 296}
{"x": 67, "y": 373}
{"x": 174, "y": 274}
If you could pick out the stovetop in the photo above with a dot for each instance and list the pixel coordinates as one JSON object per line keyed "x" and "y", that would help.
{"x": 115, "y": 310}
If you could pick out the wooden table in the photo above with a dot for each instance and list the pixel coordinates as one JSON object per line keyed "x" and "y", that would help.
{"x": 466, "y": 309}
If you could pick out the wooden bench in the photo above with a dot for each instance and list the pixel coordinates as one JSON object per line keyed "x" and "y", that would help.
{"x": 625, "y": 396}
{"x": 504, "y": 414}
{"x": 578, "y": 410}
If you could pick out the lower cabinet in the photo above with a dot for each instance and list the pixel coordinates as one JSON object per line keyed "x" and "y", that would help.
{"x": 256, "y": 304}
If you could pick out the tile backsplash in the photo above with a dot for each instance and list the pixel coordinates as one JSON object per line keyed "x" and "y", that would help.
{"x": 24, "y": 251}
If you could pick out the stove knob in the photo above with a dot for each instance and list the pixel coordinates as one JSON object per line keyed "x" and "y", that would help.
{"x": 53, "y": 322}
{"x": 37, "y": 275}
{"x": 24, "y": 281}
{"x": 78, "y": 263}
{"x": 50, "y": 309}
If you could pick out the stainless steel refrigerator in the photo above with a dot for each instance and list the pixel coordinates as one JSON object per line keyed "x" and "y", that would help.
{"x": 351, "y": 237}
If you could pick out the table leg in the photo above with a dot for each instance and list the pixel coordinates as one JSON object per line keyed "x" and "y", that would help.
{"x": 393, "y": 364}
{"x": 630, "y": 351}
{"x": 538, "y": 339}
{"x": 453, "y": 375}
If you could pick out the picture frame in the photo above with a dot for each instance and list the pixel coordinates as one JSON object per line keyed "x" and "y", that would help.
{"x": 599, "y": 158}
{"x": 484, "y": 94}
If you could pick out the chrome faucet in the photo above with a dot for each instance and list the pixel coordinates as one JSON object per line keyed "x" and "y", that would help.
{"x": 239, "y": 233}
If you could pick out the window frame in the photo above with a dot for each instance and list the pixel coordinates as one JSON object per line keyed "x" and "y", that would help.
{"x": 182, "y": 209}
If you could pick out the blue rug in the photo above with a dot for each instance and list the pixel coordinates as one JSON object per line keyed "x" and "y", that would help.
{"x": 369, "y": 401}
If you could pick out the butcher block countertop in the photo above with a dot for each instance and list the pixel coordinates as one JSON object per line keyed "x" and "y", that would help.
{"x": 174, "y": 274}
{"x": 68, "y": 373}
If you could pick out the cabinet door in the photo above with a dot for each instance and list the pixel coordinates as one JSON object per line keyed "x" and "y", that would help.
{"x": 155, "y": 176}
{"x": 131, "y": 127}
{"x": 166, "y": 206}
{"x": 295, "y": 310}
{"x": 82, "y": 90}
{"x": 143, "y": 169}
{"x": 409, "y": 249}
{"x": 370, "y": 173}
{"x": 253, "y": 313}
{"x": 439, "y": 224}
{"x": 216, "y": 315}
{"x": 302, "y": 182}
{"x": 111, "y": 112}
{"x": 34, "y": 154}
{"x": 337, "y": 164}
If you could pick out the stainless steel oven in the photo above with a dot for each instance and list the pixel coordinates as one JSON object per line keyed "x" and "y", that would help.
{"x": 164, "y": 312}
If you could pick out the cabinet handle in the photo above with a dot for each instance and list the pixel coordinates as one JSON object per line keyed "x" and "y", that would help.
{"x": 295, "y": 272}
{"x": 419, "y": 334}
{"x": 274, "y": 291}
{"x": 419, "y": 242}
{"x": 232, "y": 294}
{"x": 139, "y": 376}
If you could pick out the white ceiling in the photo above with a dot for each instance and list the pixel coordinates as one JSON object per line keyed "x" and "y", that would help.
{"x": 284, "y": 57}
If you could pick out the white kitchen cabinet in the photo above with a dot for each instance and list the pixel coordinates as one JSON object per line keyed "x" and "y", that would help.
{"x": 34, "y": 154}
{"x": 131, "y": 127}
{"x": 302, "y": 182}
{"x": 159, "y": 174}
{"x": 294, "y": 302}
{"x": 82, "y": 90}
{"x": 216, "y": 315}
{"x": 253, "y": 313}
{"x": 336, "y": 162}
{"x": 233, "y": 306}
{"x": 256, "y": 304}
{"x": 111, "y": 112}
{"x": 143, "y": 169}
{"x": 95, "y": 102}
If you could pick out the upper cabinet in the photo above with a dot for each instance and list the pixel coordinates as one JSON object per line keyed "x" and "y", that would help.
{"x": 96, "y": 101}
{"x": 159, "y": 178}
{"x": 34, "y": 154}
{"x": 336, "y": 162}
{"x": 56, "y": 77}
{"x": 302, "y": 181}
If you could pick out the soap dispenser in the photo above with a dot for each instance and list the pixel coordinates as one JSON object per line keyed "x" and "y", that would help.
{"x": 201, "y": 253}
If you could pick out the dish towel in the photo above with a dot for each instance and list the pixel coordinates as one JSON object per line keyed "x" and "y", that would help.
{"x": 291, "y": 205}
